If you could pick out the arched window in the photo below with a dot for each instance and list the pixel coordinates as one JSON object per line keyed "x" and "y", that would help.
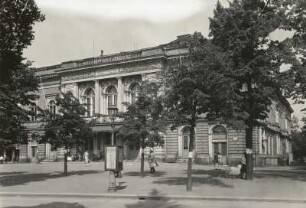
{"x": 52, "y": 107}
{"x": 90, "y": 102}
{"x": 219, "y": 130}
{"x": 135, "y": 89}
{"x": 111, "y": 97}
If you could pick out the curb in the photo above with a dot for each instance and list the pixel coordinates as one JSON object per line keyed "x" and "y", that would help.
{"x": 145, "y": 197}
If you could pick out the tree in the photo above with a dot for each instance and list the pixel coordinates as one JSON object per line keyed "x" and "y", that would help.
{"x": 296, "y": 22}
{"x": 17, "y": 19}
{"x": 196, "y": 87}
{"x": 298, "y": 140}
{"x": 17, "y": 82}
{"x": 242, "y": 30}
{"x": 13, "y": 114}
{"x": 143, "y": 121}
{"x": 67, "y": 128}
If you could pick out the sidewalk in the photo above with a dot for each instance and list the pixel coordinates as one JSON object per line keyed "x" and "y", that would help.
{"x": 281, "y": 183}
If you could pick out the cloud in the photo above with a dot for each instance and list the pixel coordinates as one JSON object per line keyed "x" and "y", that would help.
{"x": 151, "y": 10}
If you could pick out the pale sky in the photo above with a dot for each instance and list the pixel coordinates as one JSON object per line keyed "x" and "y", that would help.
{"x": 77, "y": 29}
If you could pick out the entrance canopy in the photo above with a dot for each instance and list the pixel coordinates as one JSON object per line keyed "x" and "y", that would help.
{"x": 104, "y": 128}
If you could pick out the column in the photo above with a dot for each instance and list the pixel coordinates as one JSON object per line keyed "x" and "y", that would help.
{"x": 63, "y": 88}
{"x": 76, "y": 88}
{"x": 260, "y": 138}
{"x": 143, "y": 77}
{"x": 102, "y": 99}
{"x": 97, "y": 97}
{"x": 120, "y": 94}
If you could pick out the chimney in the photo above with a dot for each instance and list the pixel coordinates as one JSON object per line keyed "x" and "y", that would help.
{"x": 101, "y": 53}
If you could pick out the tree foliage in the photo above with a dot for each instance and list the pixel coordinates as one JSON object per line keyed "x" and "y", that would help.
{"x": 196, "y": 86}
{"x": 143, "y": 122}
{"x": 295, "y": 87}
{"x": 243, "y": 31}
{"x": 16, "y": 33}
{"x": 17, "y": 81}
{"x": 299, "y": 141}
{"x": 67, "y": 127}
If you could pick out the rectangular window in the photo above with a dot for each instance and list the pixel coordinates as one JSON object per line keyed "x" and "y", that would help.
{"x": 223, "y": 149}
{"x": 87, "y": 107}
{"x": 93, "y": 107}
{"x": 276, "y": 116}
{"x": 264, "y": 146}
{"x": 115, "y": 100}
{"x": 186, "y": 142}
{"x": 98, "y": 143}
{"x": 109, "y": 100}
{"x": 220, "y": 148}
{"x": 34, "y": 148}
{"x": 33, "y": 113}
{"x": 216, "y": 148}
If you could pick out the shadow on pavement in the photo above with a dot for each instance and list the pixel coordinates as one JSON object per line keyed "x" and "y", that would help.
{"x": 155, "y": 200}
{"x": 54, "y": 205}
{"x": 12, "y": 173}
{"x": 147, "y": 173}
{"x": 213, "y": 173}
{"x": 172, "y": 181}
{"x": 294, "y": 175}
{"x": 299, "y": 168}
{"x": 120, "y": 186}
{"x": 22, "y": 178}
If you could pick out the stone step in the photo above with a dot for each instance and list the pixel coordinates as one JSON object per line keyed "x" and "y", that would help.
{"x": 49, "y": 160}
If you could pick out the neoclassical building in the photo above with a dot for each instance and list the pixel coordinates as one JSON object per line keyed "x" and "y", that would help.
{"x": 111, "y": 80}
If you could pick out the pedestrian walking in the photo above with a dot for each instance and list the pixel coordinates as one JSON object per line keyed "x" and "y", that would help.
{"x": 1, "y": 159}
{"x": 152, "y": 162}
{"x": 86, "y": 157}
{"x": 243, "y": 166}
{"x": 16, "y": 157}
{"x": 216, "y": 161}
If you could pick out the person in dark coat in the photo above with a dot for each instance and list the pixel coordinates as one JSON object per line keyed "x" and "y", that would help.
{"x": 216, "y": 161}
{"x": 243, "y": 166}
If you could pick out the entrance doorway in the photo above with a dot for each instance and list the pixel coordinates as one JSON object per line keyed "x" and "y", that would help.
{"x": 185, "y": 141}
{"x": 34, "y": 155}
{"x": 219, "y": 143}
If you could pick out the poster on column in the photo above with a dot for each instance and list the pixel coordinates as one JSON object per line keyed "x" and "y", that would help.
{"x": 111, "y": 158}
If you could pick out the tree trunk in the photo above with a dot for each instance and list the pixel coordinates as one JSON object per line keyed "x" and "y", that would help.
{"x": 190, "y": 157}
{"x": 65, "y": 163}
{"x": 142, "y": 163}
{"x": 249, "y": 155}
{"x": 142, "y": 159}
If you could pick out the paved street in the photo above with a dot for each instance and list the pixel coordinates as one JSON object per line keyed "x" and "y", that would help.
{"x": 58, "y": 202}
{"x": 87, "y": 186}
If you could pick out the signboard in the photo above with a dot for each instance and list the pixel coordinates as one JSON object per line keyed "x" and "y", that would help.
{"x": 111, "y": 158}
{"x": 114, "y": 158}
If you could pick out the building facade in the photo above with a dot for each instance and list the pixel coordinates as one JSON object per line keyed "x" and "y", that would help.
{"x": 111, "y": 80}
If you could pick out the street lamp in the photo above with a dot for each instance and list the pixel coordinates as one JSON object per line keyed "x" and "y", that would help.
{"x": 112, "y": 112}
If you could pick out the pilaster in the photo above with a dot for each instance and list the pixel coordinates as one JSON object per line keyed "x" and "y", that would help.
{"x": 97, "y": 97}
{"x": 76, "y": 90}
{"x": 120, "y": 94}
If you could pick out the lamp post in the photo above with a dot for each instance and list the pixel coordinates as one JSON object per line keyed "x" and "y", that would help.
{"x": 112, "y": 112}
